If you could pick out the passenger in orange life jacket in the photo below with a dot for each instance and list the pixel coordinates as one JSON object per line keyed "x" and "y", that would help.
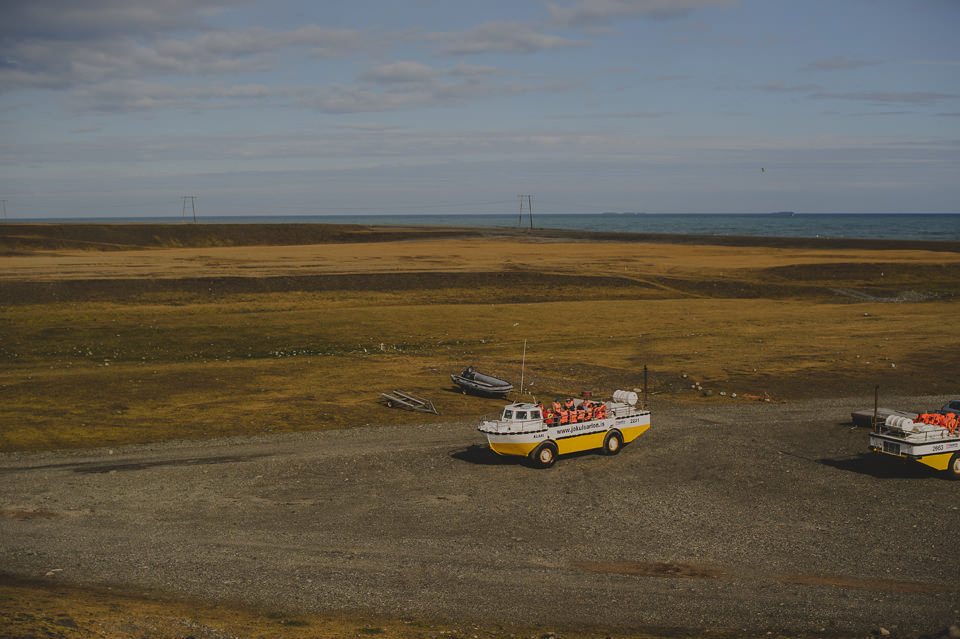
{"x": 556, "y": 405}
{"x": 588, "y": 409}
{"x": 568, "y": 403}
{"x": 564, "y": 417}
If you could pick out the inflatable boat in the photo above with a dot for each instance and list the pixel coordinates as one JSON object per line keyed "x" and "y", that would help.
{"x": 470, "y": 381}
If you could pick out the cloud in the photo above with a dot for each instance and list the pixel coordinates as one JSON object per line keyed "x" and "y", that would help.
{"x": 59, "y": 44}
{"x": 340, "y": 98}
{"x": 945, "y": 63}
{"x": 97, "y": 19}
{"x": 399, "y": 72}
{"x": 472, "y": 70}
{"x": 499, "y": 37}
{"x": 888, "y": 97}
{"x": 589, "y": 13}
{"x": 838, "y": 63}
{"x": 250, "y": 42}
{"x": 604, "y": 116}
{"x": 135, "y": 95}
{"x": 779, "y": 87}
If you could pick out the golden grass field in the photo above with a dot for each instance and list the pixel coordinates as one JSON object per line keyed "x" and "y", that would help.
{"x": 147, "y": 338}
{"x": 117, "y": 334}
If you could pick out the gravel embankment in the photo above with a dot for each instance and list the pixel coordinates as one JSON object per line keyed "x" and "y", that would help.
{"x": 735, "y": 516}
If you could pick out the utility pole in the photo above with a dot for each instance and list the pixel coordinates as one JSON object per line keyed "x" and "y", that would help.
{"x": 3, "y": 203}
{"x": 529, "y": 209}
{"x": 193, "y": 208}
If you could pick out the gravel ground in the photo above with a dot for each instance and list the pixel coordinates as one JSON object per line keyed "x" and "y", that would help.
{"x": 736, "y": 516}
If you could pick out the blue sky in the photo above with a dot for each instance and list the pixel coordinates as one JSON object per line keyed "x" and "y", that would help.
{"x": 117, "y": 108}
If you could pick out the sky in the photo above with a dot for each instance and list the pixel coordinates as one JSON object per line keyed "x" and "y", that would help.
{"x": 119, "y": 108}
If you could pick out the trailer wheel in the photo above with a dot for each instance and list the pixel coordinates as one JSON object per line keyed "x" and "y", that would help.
{"x": 612, "y": 443}
{"x": 953, "y": 469}
{"x": 544, "y": 455}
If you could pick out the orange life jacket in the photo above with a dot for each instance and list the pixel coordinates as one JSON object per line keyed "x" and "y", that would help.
{"x": 564, "y": 417}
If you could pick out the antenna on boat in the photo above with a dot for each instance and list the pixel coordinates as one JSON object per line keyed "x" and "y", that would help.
{"x": 644, "y": 387}
{"x": 523, "y": 363}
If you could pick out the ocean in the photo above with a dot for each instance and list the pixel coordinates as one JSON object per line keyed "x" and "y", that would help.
{"x": 907, "y": 226}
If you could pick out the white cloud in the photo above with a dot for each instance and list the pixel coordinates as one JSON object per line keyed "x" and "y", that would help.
{"x": 838, "y": 63}
{"x": 340, "y": 98}
{"x": 944, "y": 63}
{"x": 400, "y": 72}
{"x": 472, "y": 70}
{"x": 499, "y": 37}
{"x": 135, "y": 95}
{"x": 780, "y": 87}
{"x": 888, "y": 97}
{"x": 604, "y": 116}
{"x": 587, "y": 13}
{"x": 58, "y": 64}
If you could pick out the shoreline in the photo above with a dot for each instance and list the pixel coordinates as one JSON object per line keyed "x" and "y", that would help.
{"x": 125, "y": 236}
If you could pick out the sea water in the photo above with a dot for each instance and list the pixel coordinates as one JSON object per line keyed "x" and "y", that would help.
{"x": 906, "y": 226}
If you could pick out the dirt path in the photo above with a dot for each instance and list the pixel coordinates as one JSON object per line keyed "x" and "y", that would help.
{"x": 747, "y": 516}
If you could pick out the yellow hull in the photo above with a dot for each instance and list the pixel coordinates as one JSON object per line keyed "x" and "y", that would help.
{"x": 937, "y": 462}
{"x": 521, "y": 449}
{"x": 522, "y": 444}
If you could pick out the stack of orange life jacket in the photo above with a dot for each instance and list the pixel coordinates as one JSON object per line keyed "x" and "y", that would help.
{"x": 948, "y": 421}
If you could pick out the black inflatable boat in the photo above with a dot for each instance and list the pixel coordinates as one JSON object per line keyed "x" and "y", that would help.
{"x": 470, "y": 381}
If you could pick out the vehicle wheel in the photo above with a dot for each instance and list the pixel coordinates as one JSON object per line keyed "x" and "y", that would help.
{"x": 612, "y": 443}
{"x": 953, "y": 470}
{"x": 544, "y": 455}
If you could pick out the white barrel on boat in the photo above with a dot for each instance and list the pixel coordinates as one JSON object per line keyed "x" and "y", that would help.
{"x": 626, "y": 397}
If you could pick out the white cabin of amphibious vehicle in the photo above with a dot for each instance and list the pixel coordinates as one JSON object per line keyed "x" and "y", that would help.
{"x": 574, "y": 425}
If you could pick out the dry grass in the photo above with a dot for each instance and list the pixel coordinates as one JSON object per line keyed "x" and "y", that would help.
{"x": 186, "y": 343}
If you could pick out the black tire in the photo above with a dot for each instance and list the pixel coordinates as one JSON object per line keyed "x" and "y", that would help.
{"x": 544, "y": 455}
{"x": 612, "y": 443}
{"x": 953, "y": 468}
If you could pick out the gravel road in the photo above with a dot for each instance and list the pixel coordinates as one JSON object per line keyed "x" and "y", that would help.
{"x": 736, "y": 516}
